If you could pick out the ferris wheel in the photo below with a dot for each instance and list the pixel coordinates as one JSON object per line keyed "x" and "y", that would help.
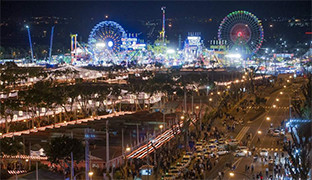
{"x": 242, "y": 31}
{"x": 105, "y": 42}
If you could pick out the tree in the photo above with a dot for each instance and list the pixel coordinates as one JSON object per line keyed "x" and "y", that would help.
{"x": 59, "y": 149}
{"x": 10, "y": 146}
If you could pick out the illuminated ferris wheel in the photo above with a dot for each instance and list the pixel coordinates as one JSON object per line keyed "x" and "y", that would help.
{"x": 242, "y": 31}
{"x": 105, "y": 42}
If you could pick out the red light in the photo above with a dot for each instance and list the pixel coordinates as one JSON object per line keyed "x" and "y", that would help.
{"x": 239, "y": 34}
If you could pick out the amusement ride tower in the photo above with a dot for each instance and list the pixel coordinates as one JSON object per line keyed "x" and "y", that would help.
{"x": 162, "y": 32}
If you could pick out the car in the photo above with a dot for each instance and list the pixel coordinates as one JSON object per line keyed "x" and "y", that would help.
{"x": 171, "y": 168}
{"x": 276, "y": 133}
{"x": 186, "y": 161}
{"x": 179, "y": 166}
{"x": 199, "y": 154}
{"x": 175, "y": 172}
{"x": 209, "y": 154}
{"x": 233, "y": 142}
{"x": 212, "y": 141}
{"x": 244, "y": 149}
{"x": 187, "y": 156}
{"x": 212, "y": 147}
{"x": 198, "y": 151}
{"x": 222, "y": 152}
{"x": 264, "y": 152}
{"x": 168, "y": 176}
{"x": 222, "y": 145}
{"x": 240, "y": 153}
{"x": 198, "y": 145}
{"x": 190, "y": 154}
{"x": 221, "y": 140}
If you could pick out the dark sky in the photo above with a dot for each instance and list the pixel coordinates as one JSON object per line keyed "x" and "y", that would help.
{"x": 130, "y": 10}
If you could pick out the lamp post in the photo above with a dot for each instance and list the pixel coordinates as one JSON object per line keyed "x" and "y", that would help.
{"x": 208, "y": 89}
{"x": 90, "y": 175}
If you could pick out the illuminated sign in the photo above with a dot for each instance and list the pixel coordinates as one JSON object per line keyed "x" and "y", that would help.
{"x": 217, "y": 47}
{"x": 283, "y": 55}
{"x": 194, "y": 40}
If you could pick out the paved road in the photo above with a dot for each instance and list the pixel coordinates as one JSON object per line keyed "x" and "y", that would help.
{"x": 268, "y": 142}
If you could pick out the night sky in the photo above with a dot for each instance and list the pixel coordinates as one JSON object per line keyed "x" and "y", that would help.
{"x": 151, "y": 9}
{"x": 131, "y": 13}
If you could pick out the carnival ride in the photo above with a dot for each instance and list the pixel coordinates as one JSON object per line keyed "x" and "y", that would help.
{"x": 105, "y": 43}
{"x": 242, "y": 32}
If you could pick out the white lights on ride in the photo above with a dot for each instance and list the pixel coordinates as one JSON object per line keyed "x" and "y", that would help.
{"x": 170, "y": 51}
{"x": 100, "y": 45}
{"x": 233, "y": 56}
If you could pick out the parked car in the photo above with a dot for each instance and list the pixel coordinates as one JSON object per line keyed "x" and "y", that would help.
{"x": 186, "y": 161}
{"x": 222, "y": 152}
{"x": 190, "y": 154}
{"x": 179, "y": 166}
{"x": 168, "y": 176}
{"x": 198, "y": 151}
{"x": 264, "y": 152}
{"x": 233, "y": 142}
{"x": 209, "y": 154}
{"x": 212, "y": 147}
{"x": 222, "y": 145}
{"x": 212, "y": 141}
{"x": 175, "y": 172}
{"x": 199, "y": 145}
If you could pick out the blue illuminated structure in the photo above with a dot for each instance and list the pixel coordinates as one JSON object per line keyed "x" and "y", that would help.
{"x": 294, "y": 122}
{"x": 30, "y": 44}
{"x": 105, "y": 42}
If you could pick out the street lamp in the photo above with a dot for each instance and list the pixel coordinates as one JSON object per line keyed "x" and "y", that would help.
{"x": 231, "y": 174}
{"x": 161, "y": 127}
{"x": 90, "y": 174}
{"x": 274, "y": 106}
{"x": 277, "y": 99}
{"x": 182, "y": 117}
{"x": 281, "y": 92}
{"x": 210, "y": 99}
{"x": 197, "y": 107}
{"x": 259, "y": 132}
{"x": 268, "y": 118}
{"x": 128, "y": 149}
{"x": 284, "y": 86}
{"x": 208, "y": 89}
